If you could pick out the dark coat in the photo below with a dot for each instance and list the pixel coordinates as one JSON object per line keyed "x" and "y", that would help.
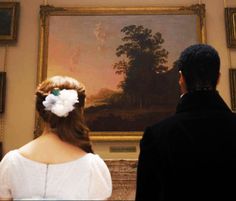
{"x": 192, "y": 154}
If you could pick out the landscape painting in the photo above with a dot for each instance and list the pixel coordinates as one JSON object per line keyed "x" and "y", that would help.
{"x": 9, "y": 17}
{"x": 125, "y": 59}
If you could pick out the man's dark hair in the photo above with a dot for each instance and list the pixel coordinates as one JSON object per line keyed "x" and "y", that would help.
{"x": 200, "y": 65}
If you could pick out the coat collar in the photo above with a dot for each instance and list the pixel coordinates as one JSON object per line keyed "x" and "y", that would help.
{"x": 201, "y": 100}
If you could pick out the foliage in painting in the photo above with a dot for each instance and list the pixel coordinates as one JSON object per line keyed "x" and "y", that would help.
{"x": 149, "y": 89}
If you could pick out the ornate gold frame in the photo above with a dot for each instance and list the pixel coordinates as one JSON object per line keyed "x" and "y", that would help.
{"x": 2, "y": 91}
{"x": 232, "y": 79}
{"x": 230, "y": 25}
{"x": 14, "y": 8}
{"x": 47, "y": 11}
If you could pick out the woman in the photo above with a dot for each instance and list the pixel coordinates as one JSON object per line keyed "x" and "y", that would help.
{"x": 59, "y": 164}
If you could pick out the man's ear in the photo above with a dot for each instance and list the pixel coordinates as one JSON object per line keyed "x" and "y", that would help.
{"x": 181, "y": 78}
{"x": 182, "y": 83}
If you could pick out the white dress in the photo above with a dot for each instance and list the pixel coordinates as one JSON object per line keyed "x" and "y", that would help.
{"x": 86, "y": 178}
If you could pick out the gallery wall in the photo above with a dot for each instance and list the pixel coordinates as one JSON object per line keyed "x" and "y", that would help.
{"x": 20, "y": 63}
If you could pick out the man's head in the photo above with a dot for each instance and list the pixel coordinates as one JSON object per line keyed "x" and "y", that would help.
{"x": 199, "y": 67}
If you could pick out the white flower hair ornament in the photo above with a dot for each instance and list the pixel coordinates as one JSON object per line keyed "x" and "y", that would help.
{"x": 61, "y": 102}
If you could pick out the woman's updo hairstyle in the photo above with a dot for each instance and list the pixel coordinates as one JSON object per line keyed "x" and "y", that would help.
{"x": 70, "y": 128}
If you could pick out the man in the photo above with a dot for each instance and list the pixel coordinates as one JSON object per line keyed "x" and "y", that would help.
{"x": 192, "y": 154}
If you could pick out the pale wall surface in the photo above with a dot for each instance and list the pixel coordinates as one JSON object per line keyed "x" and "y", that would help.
{"x": 21, "y": 64}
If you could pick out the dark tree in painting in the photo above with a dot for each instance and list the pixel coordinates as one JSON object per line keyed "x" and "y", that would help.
{"x": 149, "y": 88}
{"x": 144, "y": 59}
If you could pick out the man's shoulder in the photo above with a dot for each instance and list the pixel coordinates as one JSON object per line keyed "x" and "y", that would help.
{"x": 155, "y": 131}
{"x": 166, "y": 123}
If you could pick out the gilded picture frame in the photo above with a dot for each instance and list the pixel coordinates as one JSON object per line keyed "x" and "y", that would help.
{"x": 2, "y": 91}
{"x": 232, "y": 79}
{"x": 9, "y": 18}
{"x": 230, "y": 27}
{"x": 1, "y": 151}
{"x": 104, "y": 21}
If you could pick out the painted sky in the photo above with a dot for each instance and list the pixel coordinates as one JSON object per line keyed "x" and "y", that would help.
{"x": 84, "y": 47}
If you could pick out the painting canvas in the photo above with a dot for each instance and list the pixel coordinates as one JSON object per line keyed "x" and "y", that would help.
{"x": 9, "y": 14}
{"x": 124, "y": 57}
{"x": 230, "y": 25}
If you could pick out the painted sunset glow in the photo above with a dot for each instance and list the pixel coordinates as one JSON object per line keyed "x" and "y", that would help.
{"x": 84, "y": 47}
